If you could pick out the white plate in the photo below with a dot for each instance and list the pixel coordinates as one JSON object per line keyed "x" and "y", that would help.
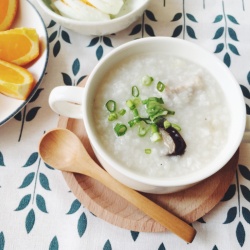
{"x": 27, "y": 16}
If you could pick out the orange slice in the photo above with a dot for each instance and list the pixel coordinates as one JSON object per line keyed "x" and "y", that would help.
{"x": 7, "y": 14}
{"x": 15, "y": 81}
{"x": 19, "y": 45}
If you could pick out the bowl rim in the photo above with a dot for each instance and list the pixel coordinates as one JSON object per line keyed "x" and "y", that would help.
{"x": 79, "y": 22}
{"x": 193, "y": 177}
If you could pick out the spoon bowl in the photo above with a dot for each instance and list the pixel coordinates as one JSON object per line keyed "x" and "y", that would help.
{"x": 63, "y": 150}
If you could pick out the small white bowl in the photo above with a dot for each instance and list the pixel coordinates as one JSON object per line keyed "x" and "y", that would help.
{"x": 62, "y": 98}
{"x": 134, "y": 9}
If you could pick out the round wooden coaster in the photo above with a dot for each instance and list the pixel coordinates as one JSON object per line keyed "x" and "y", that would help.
{"x": 190, "y": 204}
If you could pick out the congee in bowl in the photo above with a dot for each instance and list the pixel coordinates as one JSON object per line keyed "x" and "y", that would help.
{"x": 161, "y": 113}
{"x": 190, "y": 102}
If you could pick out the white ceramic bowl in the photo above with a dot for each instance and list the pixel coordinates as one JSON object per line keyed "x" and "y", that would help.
{"x": 167, "y": 46}
{"x": 134, "y": 10}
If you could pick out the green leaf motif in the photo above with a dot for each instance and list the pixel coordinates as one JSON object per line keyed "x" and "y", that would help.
{"x": 230, "y": 193}
{"x": 1, "y": 160}
{"x": 248, "y": 77}
{"x": 232, "y": 34}
{"x": 232, "y": 19}
{"x": 218, "y": 19}
{"x": 245, "y": 172}
{"x": 80, "y": 79}
{"x": 65, "y": 36}
{"x": 245, "y": 192}
{"x": 233, "y": 49}
{"x": 177, "y": 31}
{"x": 32, "y": 114}
{"x": 82, "y": 224}
{"x": 191, "y": 32}
{"x": 191, "y": 17}
{"x": 32, "y": 159}
{"x": 227, "y": 60}
{"x": 27, "y": 180}
{"x": 48, "y": 166}
{"x": 137, "y": 29}
{"x": 93, "y": 41}
{"x": 53, "y": 36}
{"x": 107, "y": 41}
{"x": 215, "y": 248}
{"x": 54, "y": 245}
{"x": 150, "y": 15}
{"x": 56, "y": 48}
{"x": 177, "y": 17}
{"x": 149, "y": 30}
{"x": 2, "y": 241}
{"x": 231, "y": 215}
{"x": 76, "y": 66}
{"x": 248, "y": 109}
{"x": 74, "y": 207}
{"x": 240, "y": 234}
{"x": 99, "y": 52}
{"x": 219, "y": 33}
{"x": 24, "y": 202}
{"x": 219, "y": 48}
{"x": 36, "y": 95}
{"x": 246, "y": 214}
{"x": 30, "y": 220}
{"x": 44, "y": 181}
{"x": 107, "y": 245}
{"x": 18, "y": 116}
{"x": 41, "y": 203}
{"x": 134, "y": 235}
{"x": 162, "y": 247}
{"x": 51, "y": 24}
{"x": 67, "y": 79}
{"x": 245, "y": 91}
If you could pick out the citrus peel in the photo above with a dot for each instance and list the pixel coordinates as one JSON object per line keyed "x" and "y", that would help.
{"x": 15, "y": 81}
{"x": 19, "y": 45}
{"x": 7, "y": 14}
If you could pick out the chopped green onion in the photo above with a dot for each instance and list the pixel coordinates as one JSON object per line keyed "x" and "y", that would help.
{"x": 120, "y": 129}
{"x": 166, "y": 124}
{"x": 134, "y": 121}
{"x": 111, "y": 106}
{"x": 155, "y": 133}
{"x": 142, "y": 131}
{"x": 147, "y": 80}
{"x": 160, "y": 86}
{"x": 122, "y": 112}
{"x": 135, "y": 91}
{"x": 177, "y": 127}
{"x": 137, "y": 101}
{"x": 156, "y": 99}
{"x": 112, "y": 117}
{"x": 147, "y": 151}
{"x": 135, "y": 113}
{"x": 130, "y": 104}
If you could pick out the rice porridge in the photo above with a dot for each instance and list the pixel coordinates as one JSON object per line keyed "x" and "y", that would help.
{"x": 187, "y": 89}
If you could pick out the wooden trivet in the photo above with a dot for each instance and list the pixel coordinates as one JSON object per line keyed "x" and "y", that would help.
{"x": 190, "y": 204}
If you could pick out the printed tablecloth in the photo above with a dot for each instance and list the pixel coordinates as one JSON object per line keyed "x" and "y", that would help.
{"x": 37, "y": 209}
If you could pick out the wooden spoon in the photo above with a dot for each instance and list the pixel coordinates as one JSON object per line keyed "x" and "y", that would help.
{"x": 63, "y": 150}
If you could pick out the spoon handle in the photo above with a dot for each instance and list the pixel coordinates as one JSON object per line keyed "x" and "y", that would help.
{"x": 165, "y": 218}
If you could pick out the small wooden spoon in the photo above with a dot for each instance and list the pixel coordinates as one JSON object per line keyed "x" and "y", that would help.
{"x": 63, "y": 150}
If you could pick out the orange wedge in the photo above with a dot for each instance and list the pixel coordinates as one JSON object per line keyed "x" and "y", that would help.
{"x": 15, "y": 81}
{"x": 8, "y": 9}
{"x": 19, "y": 45}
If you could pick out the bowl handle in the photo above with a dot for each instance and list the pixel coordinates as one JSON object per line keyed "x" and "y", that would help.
{"x": 67, "y": 101}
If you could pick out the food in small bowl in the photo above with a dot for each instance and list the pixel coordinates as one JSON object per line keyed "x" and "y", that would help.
{"x": 161, "y": 113}
{"x": 94, "y": 17}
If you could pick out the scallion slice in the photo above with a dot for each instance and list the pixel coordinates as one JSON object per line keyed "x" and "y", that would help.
{"x": 111, "y": 106}
{"x": 130, "y": 104}
{"x": 122, "y": 112}
{"x": 120, "y": 129}
{"x": 160, "y": 86}
{"x": 135, "y": 91}
{"x": 147, "y": 151}
{"x": 113, "y": 116}
{"x": 176, "y": 126}
{"x": 147, "y": 80}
